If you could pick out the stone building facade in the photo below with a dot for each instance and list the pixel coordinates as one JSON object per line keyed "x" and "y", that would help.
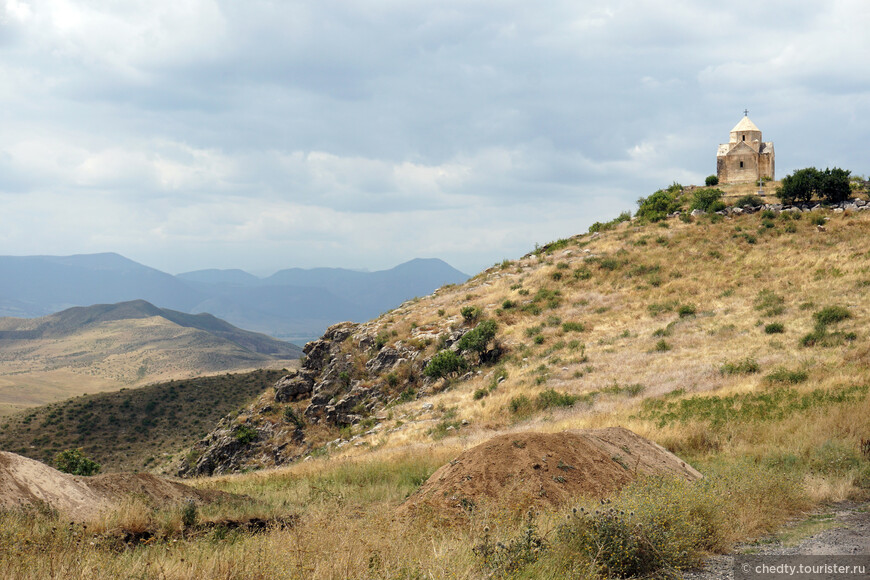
{"x": 745, "y": 158}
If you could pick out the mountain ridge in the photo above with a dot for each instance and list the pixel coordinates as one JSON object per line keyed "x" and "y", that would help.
{"x": 110, "y": 346}
{"x": 294, "y": 304}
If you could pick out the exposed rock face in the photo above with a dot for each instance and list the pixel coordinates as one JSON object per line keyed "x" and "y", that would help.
{"x": 294, "y": 386}
{"x": 345, "y": 376}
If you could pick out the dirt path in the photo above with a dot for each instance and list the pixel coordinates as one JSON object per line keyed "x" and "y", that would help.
{"x": 844, "y": 530}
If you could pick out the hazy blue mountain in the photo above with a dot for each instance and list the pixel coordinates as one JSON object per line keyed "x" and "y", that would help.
{"x": 293, "y": 304}
{"x": 215, "y": 276}
{"x": 40, "y": 285}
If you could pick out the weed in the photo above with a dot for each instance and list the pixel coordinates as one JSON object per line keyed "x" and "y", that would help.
{"x": 687, "y": 310}
{"x": 774, "y": 328}
{"x": 662, "y": 346}
{"x": 746, "y": 366}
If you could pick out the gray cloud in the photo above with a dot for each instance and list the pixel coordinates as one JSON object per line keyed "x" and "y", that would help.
{"x": 264, "y": 135}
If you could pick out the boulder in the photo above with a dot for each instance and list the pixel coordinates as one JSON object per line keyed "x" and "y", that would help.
{"x": 294, "y": 386}
{"x": 385, "y": 360}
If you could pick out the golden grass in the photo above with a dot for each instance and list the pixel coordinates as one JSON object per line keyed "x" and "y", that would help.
{"x": 768, "y": 469}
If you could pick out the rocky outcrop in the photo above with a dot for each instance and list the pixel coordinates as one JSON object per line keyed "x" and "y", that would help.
{"x": 346, "y": 376}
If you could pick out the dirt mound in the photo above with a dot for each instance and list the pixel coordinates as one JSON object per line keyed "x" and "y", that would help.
{"x": 535, "y": 469}
{"x": 26, "y": 482}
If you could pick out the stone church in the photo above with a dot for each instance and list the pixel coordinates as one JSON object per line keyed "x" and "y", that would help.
{"x": 745, "y": 158}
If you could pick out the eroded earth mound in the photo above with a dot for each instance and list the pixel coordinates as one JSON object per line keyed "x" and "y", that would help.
{"x": 519, "y": 470}
{"x": 25, "y": 482}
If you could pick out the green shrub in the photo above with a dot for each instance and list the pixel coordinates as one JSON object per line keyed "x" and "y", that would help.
{"x": 711, "y": 180}
{"x": 783, "y": 375}
{"x": 475, "y": 340}
{"x": 603, "y": 227}
{"x": 74, "y": 462}
{"x": 657, "y": 308}
{"x": 686, "y": 310}
{"x": 518, "y": 404}
{"x": 573, "y": 327}
{"x": 657, "y": 206}
{"x": 832, "y": 315}
{"x": 470, "y": 313}
{"x": 746, "y": 366}
{"x": 189, "y": 514}
{"x": 444, "y": 364}
{"x": 770, "y": 302}
{"x": 662, "y": 346}
{"x": 832, "y": 185}
{"x": 551, "y": 398}
{"x": 774, "y": 328}
{"x": 245, "y": 434}
{"x": 291, "y": 417}
{"x": 708, "y": 200}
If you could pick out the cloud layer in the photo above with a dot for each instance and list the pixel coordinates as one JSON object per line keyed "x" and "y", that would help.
{"x": 261, "y": 135}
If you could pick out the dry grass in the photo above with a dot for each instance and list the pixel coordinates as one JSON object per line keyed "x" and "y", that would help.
{"x": 762, "y": 469}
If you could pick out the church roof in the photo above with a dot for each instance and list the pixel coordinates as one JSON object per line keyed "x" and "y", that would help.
{"x": 745, "y": 125}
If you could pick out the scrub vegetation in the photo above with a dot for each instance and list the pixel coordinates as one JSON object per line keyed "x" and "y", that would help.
{"x": 652, "y": 336}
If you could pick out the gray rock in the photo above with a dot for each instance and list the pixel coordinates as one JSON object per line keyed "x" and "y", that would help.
{"x": 385, "y": 360}
{"x": 697, "y": 212}
{"x": 294, "y": 386}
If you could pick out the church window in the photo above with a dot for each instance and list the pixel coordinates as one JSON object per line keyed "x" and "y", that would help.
{"x": 741, "y": 165}
{"x": 744, "y": 137}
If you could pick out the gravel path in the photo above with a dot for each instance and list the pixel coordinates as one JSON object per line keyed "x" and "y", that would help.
{"x": 851, "y": 536}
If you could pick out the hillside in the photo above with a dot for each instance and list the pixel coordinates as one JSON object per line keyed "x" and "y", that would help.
{"x": 109, "y": 346}
{"x": 585, "y": 325}
{"x": 736, "y": 341}
{"x": 132, "y": 429}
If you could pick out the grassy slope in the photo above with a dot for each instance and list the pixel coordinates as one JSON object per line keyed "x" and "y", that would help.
{"x": 774, "y": 439}
{"x": 110, "y": 355}
{"x": 132, "y": 429}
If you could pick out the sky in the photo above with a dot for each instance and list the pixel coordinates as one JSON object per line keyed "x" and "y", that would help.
{"x": 192, "y": 134}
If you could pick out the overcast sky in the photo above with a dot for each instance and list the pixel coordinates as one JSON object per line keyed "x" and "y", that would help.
{"x": 190, "y": 134}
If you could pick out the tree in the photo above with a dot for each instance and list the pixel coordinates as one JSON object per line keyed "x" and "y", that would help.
{"x": 444, "y": 364}
{"x": 708, "y": 199}
{"x": 834, "y": 185}
{"x": 475, "y": 340}
{"x": 73, "y": 461}
{"x": 657, "y": 206}
{"x": 831, "y": 185}
{"x": 711, "y": 181}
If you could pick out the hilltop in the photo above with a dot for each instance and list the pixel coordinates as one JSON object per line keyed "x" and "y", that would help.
{"x": 108, "y": 346}
{"x": 583, "y": 326}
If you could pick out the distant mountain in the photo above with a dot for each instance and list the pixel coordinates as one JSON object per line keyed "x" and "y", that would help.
{"x": 40, "y": 285}
{"x": 293, "y": 304}
{"x": 298, "y": 304}
{"x": 214, "y": 276}
{"x": 108, "y": 346}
